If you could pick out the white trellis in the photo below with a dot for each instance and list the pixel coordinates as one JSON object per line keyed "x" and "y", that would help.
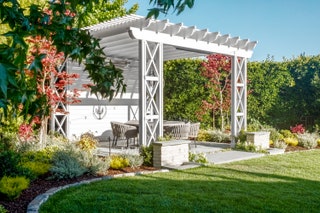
{"x": 238, "y": 96}
{"x": 59, "y": 121}
{"x": 150, "y": 110}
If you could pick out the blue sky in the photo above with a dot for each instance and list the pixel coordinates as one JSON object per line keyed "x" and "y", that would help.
{"x": 283, "y": 28}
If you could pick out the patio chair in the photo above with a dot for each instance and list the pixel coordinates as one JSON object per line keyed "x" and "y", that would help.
{"x": 179, "y": 131}
{"x": 123, "y": 131}
{"x": 193, "y": 134}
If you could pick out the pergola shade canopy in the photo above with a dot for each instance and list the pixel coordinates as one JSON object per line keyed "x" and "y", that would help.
{"x": 141, "y": 46}
{"x": 120, "y": 37}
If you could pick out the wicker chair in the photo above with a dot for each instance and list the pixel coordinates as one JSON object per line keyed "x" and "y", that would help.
{"x": 123, "y": 131}
{"x": 179, "y": 131}
{"x": 193, "y": 134}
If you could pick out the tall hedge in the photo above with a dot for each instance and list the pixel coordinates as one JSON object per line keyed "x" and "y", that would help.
{"x": 184, "y": 90}
{"x": 280, "y": 94}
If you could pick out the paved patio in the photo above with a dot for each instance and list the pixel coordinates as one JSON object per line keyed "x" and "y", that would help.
{"x": 216, "y": 153}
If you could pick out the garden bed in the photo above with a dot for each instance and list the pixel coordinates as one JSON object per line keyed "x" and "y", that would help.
{"x": 41, "y": 185}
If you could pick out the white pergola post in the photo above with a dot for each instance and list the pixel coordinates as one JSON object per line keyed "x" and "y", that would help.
{"x": 150, "y": 91}
{"x": 238, "y": 96}
{"x": 58, "y": 120}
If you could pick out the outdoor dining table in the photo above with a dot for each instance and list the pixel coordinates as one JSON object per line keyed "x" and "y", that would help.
{"x": 165, "y": 123}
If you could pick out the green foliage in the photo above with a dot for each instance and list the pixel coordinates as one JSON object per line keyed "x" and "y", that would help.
{"x": 10, "y": 165}
{"x": 43, "y": 156}
{"x": 280, "y": 144}
{"x": 184, "y": 91}
{"x": 267, "y": 80}
{"x": 198, "y": 158}
{"x": 204, "y": 135}
{"x": 66, "y": 164}
{"x": 2, "y": 209}
{"x": 147, "y": 153}
{"x": 134, "y": 160}
{"x": 215, "y": 135}
{"x": 37, "y": 168}
{"x": 75, "y": 43}
{"x": 287, "y": 133}
{"x": 242, "y": 137}
{"x": 13, "y": 186}
{"x": 307, "y": 140}
{"x": 93, "y": 163}
{"x": 103, "y": 11}
{"x": 165, "y": 6}
{"x": 118, "y": 162}
{"x": 275, "y": 135}
{"x": 246, "y": 146}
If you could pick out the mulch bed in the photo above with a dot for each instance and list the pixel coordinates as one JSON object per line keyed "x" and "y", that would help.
{"x": 41, "y": 185}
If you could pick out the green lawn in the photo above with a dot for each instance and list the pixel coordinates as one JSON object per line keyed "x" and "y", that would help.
{"x": 282, "y": 183}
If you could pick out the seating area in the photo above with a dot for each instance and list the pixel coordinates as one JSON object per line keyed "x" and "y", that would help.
{"x": 123, "y": 131}
{"x": 129, "y": 131}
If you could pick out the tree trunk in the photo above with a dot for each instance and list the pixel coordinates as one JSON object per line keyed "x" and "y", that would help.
{"x": 43, "y": 132}
{"x": 221, "y": 111}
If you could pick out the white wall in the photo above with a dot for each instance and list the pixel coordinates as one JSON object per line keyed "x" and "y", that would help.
{"x": 82, "y": 119}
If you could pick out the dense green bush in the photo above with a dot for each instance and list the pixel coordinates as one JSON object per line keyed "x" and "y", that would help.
{"x": 93, "y": 163}
{"x": 184, "y": 91}
{"x": 10, "y": 165}
{"x": 198, "y": 158}
{"x": 66, "y": 164}
{"x": 147, "y": 153}
{"x": 215, "y": 135}
{"x": 37, "y": 168}
{"x": 13, "y": 186}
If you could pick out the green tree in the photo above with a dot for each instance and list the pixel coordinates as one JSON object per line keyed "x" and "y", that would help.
{"x": 103, "y": 11}
{"x": 56, "y": 22}
{"x": 164, "y": 6}
{"x": 303, "y": 97}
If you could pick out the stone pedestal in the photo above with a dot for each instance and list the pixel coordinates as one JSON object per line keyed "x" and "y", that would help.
{"x": 170, "y": 153}
{"x": 259, "y": 139}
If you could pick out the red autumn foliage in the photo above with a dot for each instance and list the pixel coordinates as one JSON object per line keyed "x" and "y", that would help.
{"x": 298, "y": 129}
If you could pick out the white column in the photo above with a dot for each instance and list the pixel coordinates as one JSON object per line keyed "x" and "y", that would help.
{"x": 150, "y": 91}
{"x": 238, "y": 96}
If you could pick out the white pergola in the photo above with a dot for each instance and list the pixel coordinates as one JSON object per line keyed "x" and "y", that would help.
{"x": 151, "y": 42}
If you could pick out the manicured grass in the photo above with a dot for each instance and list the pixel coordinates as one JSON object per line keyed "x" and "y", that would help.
{"x": 282, "y": 183}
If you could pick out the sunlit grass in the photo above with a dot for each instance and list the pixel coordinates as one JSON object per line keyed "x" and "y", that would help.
{"x": 282, "y": 183}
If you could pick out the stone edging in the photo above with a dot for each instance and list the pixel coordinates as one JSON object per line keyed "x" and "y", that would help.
{"x": 35, "y": 204}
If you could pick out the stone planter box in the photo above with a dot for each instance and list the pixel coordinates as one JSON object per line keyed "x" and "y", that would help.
{"x": 170, "y": 153}
{"x": 259, "y": 139}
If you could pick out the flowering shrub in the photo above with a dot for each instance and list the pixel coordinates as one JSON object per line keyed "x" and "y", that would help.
{"x": 87, "y": 142}
{"x": 307, "y": 140}
{"x": 298, "y": 129}
{"x": 291, "y": 141}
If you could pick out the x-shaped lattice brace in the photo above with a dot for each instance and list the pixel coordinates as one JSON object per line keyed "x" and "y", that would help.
{"x": 238, "y": 96}
{"x": 150, "y": 100}
{"x": 58, "y": 119}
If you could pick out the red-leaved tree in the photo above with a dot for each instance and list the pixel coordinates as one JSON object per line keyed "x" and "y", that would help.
{"x": 51, "y": 82}
{"x": 217, "y": 68}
